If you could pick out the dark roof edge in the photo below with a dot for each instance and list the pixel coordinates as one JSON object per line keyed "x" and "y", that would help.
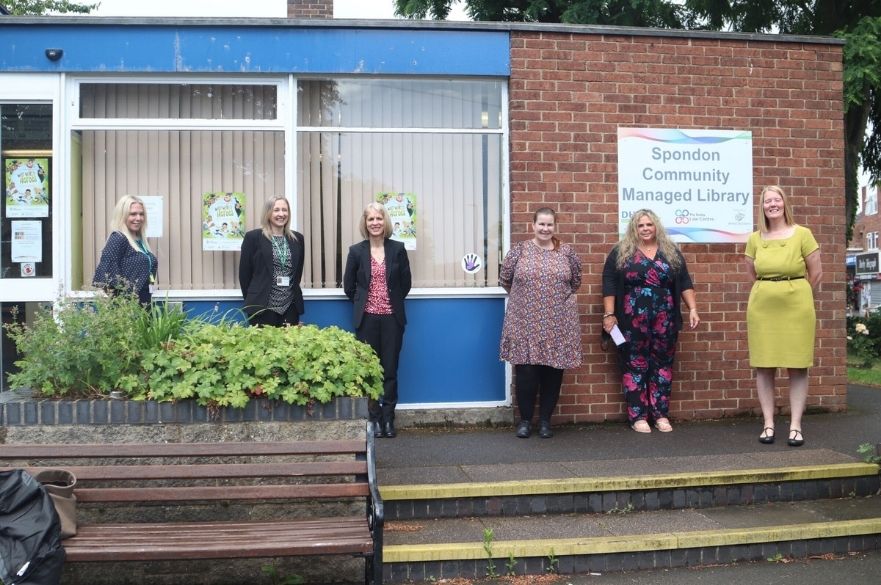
{"x": 418, "y": 24}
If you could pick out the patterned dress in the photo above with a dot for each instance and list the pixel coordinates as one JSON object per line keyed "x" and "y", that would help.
{"x": 541, "y": 324}
{"x": 649, "y": 328}
{"x": 123, "y": 268}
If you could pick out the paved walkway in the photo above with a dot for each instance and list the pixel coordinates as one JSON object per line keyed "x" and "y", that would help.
{"x": 597, "y": 450}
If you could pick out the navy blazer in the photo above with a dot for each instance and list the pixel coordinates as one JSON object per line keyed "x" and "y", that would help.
{"x": 256, "y": 272}
{"x": 356, "y": 279}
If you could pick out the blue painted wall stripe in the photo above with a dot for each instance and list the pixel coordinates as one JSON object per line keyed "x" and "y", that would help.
{"x": 254, "y": 49}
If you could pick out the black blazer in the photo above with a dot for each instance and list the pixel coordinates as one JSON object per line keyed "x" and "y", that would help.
{"x": 356, "y": 279}
{"x": 255, "y": 270}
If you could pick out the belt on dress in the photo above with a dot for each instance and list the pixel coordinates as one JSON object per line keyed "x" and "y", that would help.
{"x": 779, "y": 278}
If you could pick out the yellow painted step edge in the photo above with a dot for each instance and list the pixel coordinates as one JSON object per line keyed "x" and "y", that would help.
{"x": 624, "y": 483}
{"x": 459, "y": 551}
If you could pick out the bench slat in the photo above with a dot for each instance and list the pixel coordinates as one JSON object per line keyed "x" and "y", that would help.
{"x": 121, "y": 450}
{"x": 238, "y": 492}
{"x": 208, "y": 471}
{"x": 112, "y": 542}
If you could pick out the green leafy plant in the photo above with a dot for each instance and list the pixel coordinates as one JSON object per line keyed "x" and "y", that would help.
{"x": 553, "y": 567}
{"x": 511, "y": 565}
{"x": 226, "y": 365}
{"x": 869, "y": 453}
{"x": 82, "y": 348}
{"x": 625, "y": 510}
{"x": 277, "y": 578}
{"x": 776, "y": 558}
{"x": 488, "y": 538}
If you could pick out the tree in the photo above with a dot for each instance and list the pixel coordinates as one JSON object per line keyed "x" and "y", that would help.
{"x": 858, "y": 22}
{"x": 653, "y": 13}
{"x": 38, "y": 7}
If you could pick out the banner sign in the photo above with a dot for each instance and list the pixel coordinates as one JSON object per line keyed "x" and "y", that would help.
{"x": 698, "y": 182}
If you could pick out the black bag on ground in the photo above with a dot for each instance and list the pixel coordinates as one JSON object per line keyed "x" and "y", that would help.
{"x": 30, "y": 532}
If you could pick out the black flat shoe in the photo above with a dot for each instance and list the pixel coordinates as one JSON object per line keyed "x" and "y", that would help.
{"x": 389, "y": 429}
{"x": 767, "y": 437}
{"x": 524, "y": 429}
{"x": 545, "y": 431}
{"x": 796, "y": 439}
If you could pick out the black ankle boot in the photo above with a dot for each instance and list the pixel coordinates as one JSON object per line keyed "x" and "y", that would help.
{"x": 523, "y": 429}
{"x": 378, "y": 431}
{"x": 389, "y": 429}
{"x": 544, "y": 430}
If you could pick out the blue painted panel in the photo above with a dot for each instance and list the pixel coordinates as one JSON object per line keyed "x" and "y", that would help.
{"x": 451, "y": 346}
{"x": 254, "y": 49}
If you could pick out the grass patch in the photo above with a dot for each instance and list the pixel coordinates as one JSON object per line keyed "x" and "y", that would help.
{"x": 867, "y": 377}
{"x": 870, "y": 376}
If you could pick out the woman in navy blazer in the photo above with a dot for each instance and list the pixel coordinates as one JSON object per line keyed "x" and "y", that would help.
{"x": 271, "y": 267}
{"x": 377, "y": 279}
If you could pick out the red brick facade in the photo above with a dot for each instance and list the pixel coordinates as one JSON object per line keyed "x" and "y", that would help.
{"x": 310, "y": 8}
{"x": 568, "y": 95}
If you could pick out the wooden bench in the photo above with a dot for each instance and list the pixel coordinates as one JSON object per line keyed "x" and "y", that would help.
{"x": 177, "y": 474}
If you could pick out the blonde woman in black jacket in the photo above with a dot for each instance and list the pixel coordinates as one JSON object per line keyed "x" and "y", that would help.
{"x": 377, "y": 279}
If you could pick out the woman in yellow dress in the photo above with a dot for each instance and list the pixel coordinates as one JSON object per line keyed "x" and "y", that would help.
{"x": 784, "y": 259}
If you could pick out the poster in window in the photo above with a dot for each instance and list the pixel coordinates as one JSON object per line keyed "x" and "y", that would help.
{"x": 27, "y": 241}
{"x": 27, "y": 186}
{"x": 223, "y": 221}
{"x": 401, "y": 208}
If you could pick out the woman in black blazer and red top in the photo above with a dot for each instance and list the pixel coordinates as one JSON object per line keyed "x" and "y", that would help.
{"x": 377, "y": 279}
{"x": 271, "y": 267}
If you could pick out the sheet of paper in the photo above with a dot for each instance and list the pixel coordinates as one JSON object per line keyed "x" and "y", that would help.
{"x": 617, "y": 336}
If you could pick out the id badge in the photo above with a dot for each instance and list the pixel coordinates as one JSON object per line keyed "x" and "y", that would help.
{"x": 283, "y": 281}
{"x": 153, "y": 289}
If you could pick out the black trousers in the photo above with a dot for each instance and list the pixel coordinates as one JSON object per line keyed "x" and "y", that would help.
{"x": 541, "y": 381}
{"x": 385, "y": 335}
{"x": 267, "y": 318}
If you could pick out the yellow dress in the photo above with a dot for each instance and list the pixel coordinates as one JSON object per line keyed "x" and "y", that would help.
{"x": 780, "y": 316}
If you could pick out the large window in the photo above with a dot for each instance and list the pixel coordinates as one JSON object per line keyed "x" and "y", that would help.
{"x": 872, "y": 241}
{"x": 435, "y": 146}
{"x": 178, "y": 144}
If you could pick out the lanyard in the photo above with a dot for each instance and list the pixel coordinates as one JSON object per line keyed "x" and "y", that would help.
{"x": 149, "y": 259}
{"x": 282, "y": 251}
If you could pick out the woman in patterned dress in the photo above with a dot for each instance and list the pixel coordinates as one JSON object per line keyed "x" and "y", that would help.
{"x": 541, "y": 334}
{"x": 377, "y": 279}
{"x": 784, "y": 260}
{"x": 271, "y": 267}
{"x": 643, "y": 279}
{"x": 127, "y": 263}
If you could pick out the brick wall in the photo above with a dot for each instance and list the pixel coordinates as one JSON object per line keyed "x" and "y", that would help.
{"x": 569, "y": 94}
{"x": 310, "y": 8}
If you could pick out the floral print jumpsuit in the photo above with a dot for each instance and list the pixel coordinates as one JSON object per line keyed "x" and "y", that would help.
{"x": 649, "y": 328}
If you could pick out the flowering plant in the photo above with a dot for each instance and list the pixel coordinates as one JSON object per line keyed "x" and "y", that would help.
{"x": 862, "y": 346}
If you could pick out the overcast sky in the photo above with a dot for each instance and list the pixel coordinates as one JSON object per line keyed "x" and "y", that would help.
{"x": 249, "y": 8}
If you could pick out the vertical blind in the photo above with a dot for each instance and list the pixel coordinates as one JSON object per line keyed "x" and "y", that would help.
{"x": 180, "y": 166}
{"x": 455, "y": 177}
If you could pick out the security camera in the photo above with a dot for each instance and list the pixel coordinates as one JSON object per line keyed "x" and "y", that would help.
{"x": 54, "y": 54}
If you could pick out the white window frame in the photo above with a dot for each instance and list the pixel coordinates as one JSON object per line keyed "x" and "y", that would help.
{"x": 871, "y": 200}
{"x": 286, "y": 121}
{"x": 285, "y": 108}
{"x": 503, "y": 130}
{"x": 872, "y": 241}
{"x": 43, "y": 88}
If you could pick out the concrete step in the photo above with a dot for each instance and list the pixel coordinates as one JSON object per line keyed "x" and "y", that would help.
{"x": 594, "y": 493}
{"x": 624, "y": 539}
